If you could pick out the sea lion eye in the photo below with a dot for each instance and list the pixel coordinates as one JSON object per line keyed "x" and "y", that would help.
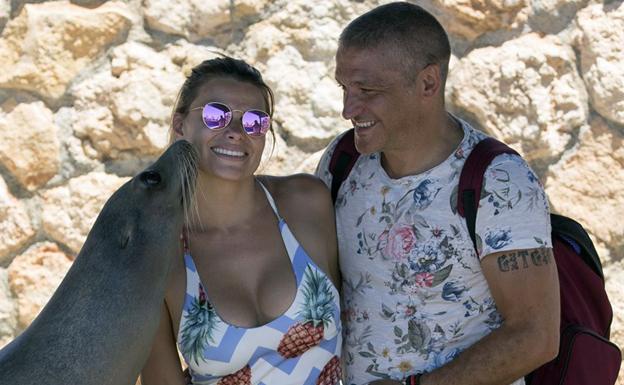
{"x": 150, "y": 178}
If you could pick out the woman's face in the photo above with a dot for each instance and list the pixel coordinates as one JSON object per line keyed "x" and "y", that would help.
{"x": 228, "y": 153}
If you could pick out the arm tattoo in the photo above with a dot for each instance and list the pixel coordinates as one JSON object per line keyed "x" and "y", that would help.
{"x": 521, "y": 259}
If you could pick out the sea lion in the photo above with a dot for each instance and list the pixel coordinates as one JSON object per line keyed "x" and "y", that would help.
{"x": 97, "y": 328}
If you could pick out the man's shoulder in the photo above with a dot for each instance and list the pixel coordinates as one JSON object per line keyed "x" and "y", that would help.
{"x": 323, "y": 168}
{"x": 331, "y": 147}
{"x": 514, "y": 167}
{"x": 505, "y": 161}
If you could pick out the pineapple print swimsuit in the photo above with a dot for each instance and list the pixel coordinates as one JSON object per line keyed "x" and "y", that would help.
{"x": 302, "y": 346}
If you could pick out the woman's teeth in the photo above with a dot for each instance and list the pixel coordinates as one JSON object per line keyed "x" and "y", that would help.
{"x": 228, "y": 152}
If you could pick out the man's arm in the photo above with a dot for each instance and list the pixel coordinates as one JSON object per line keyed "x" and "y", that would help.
{"x": 525, "y": 288}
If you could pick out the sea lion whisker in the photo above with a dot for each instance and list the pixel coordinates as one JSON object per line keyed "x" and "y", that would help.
{"x": 183, "y": 188}
{"x": 196, "y": 207}
{"x": 190, "y": 169}
{"x": 205, "y": 198}
{"x": 190, "y": 198}
{"x": 186, "y": 188}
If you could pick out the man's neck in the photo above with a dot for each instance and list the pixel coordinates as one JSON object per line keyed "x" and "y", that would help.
{"x": 434, "y": 144}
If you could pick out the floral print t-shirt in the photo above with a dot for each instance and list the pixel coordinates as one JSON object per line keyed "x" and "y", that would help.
{"x": 414, "y": 295}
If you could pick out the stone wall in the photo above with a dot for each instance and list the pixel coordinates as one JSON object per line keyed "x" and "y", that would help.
{"x": 87, "y": 87}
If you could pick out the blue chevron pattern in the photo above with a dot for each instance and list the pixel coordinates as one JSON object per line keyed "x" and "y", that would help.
{"x": 253, "y": 352}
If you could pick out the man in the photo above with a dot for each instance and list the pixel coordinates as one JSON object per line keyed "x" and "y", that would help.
{"x": 420, "y": 304}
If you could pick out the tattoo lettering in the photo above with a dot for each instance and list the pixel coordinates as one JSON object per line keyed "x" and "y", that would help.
{"x": 540, "y": 257}
{"x": 508, "y": 262}
{"x": 524, "y": 255}
{"x": 517, "y": 260}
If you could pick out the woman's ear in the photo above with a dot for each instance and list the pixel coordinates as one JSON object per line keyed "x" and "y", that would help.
{"x": 177, "y": 123}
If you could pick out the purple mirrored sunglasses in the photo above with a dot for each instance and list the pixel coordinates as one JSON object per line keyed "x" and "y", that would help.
{"x": 216, "y": 116}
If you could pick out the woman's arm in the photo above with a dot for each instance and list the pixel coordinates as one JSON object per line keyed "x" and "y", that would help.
{"x": 163, "y": 365}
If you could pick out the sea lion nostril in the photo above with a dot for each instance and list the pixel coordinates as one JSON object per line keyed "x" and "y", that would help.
{"x": 151, "y": 178}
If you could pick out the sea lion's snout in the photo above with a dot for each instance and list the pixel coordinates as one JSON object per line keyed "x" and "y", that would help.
{"x": 117, "y": 281}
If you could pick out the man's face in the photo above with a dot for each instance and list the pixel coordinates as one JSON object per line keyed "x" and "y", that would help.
{"x": 378, "y": 99}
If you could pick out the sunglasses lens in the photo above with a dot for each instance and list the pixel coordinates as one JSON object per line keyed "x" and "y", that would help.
{"x": 256, "y": 122}
{"x": 216, "y": 116}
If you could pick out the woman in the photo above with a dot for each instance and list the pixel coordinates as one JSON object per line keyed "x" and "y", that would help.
{"x": 250, "y": 301}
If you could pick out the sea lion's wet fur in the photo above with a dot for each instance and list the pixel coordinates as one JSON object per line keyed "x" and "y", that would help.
{"x": 98, "y": 327}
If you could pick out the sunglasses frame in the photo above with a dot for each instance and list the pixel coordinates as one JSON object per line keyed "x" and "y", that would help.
{"x": 232, "y": 117}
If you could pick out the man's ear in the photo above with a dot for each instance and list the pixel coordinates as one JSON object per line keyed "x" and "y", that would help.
{"x": 431, "y": 80}
{"x": 176, "y": 124}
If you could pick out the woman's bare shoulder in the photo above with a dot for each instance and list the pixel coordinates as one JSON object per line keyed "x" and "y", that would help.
{"x": 298, "y": 189}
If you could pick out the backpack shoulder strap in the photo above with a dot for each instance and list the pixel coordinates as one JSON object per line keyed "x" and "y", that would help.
{"x": 574, "y": 233}
{"x": 471, "y": 179}
{"x": 342, "y": 161}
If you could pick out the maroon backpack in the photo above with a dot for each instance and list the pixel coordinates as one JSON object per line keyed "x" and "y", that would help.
{"x": 586, "y": 356}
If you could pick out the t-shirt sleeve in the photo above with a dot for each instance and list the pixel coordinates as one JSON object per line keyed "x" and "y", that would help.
{"x": 513, "y": 210}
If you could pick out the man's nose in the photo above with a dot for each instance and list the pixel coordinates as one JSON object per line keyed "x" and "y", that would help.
{"x": 351, "y": 105}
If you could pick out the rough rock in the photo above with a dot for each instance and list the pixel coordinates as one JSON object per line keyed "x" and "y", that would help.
{"x": 74, "y": 161}
{"x": 33, "y": 278}
{"x": 195, "y": 19}
{"x": 308, "y": 100}
{"x": 587, "y": 184}
{"x": 552, "y": 16}
{"x": 527, "y": 93}
{"x": 30, "y": 148}
{"x": 311, "y": 27}
{"x": 16, "y": 229}
{"x": 69, "y": 211}
{"x": 186, "y": 55}
{"x": 48, "y": 44}
{"x": 310, "y": 162}
{"x": 601, "y": 43}
{"x": 294, "y": 48}
{"x": 5, "y": 11}
{"x": 472, "y": 18}
{"x": 263, "y": 40}
{"x": 8, "y": 310}
{"x": 279, "y": 158}
{"x": 128, "y": 108}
